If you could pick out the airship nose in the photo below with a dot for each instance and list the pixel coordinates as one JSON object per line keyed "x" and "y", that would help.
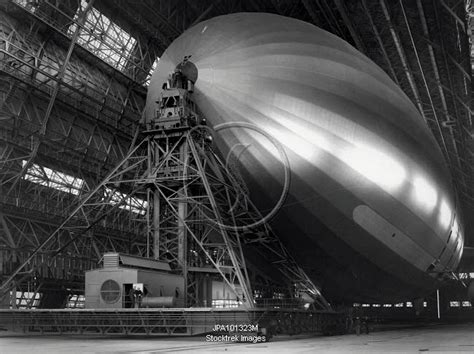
{"x": 188, "y": 69}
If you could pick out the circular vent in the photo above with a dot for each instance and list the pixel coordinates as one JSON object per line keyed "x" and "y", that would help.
{"x": 110, "y": 291}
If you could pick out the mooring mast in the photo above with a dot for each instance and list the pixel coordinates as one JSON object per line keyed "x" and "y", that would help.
{"x": 197, "y": 213}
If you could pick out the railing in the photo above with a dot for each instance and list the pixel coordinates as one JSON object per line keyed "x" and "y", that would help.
{"x": 169, "y": 322}
{"x": 286, "y": 303}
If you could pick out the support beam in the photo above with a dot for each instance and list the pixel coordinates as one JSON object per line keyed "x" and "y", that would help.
{"x": 357, "y": 40}
{"x": 428, "y": 93}
{"x": 7, "y": 232}
{"x": 403, "y": 59}
{"x": 453, "y": 14}
{"x": 52, "y": 100}
{"x": 380, "y": 42}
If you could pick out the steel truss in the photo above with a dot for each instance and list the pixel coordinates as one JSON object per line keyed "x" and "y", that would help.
{"x": 22, "y": 235}
{"x": 127, "y": 181}
{"x": 58, "y": 111}
{"x": 131, "y": 179}
{"x": 198, "y": 195}
{"x": 102, "y": 42}
{"x": 197, "y": 215}
{"x": 191, "y": 191}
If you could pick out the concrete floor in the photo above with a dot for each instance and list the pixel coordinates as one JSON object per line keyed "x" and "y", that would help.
{"x": 433, "y": 338}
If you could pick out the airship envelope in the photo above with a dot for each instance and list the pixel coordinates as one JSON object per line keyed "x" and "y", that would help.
{"x": 370, "y": 212}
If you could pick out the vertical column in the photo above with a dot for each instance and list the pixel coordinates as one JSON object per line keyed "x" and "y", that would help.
{"x": 156, "y": 224}
{"x": 437, "y": 304}
{"x": 182, "y": 219}
{"x": 182, "y": 232}
{"x": 13, "y": 297}
{"x": 154, "y": 199}
{"x": 182, "y": 208}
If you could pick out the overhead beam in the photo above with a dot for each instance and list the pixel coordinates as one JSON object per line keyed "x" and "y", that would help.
{"x": 52, "y": 100}
{"x": 403, "y": 59}
{"x": 311, "y": 12}
{"x": 348, "y": 23}
{"x": 7, "y": 232}
{"x": 454, "y": 15}
{"x": 428, "y": 93}
{"x": 204, "y": 14}
{"x": 380, "y": 42}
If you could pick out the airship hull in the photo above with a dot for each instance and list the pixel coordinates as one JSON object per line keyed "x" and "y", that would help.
{"x": 370, "y": 213}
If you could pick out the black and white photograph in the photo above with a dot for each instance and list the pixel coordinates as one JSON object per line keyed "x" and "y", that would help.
{"x": 238, "y": 176}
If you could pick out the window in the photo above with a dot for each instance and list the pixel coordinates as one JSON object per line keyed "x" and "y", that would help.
{"x": 27, "y": 300}
{"x": 278, "y": 296}
{"x": 75, "y": 302}
{"x": 53, "y": 179}
{"x": 221, "y": 303}
{"x": 103, "y": 37}
{"x": 28, "y": 4}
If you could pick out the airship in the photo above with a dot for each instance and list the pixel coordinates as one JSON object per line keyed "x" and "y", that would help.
{"x": 370, "y": 214}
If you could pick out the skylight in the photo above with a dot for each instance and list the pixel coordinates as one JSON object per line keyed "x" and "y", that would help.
{"x": 28, "y": 4}
{"x": 103, "y": 37}
{"x": 150, "y": 73}
{"x": 133, "y": 204}
{"x": 53, "y": 179}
